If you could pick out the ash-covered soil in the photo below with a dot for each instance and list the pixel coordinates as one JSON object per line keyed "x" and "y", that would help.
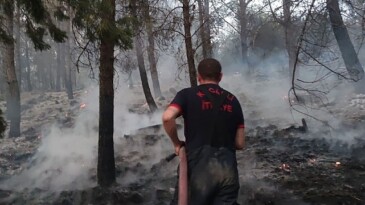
{"x": 278, "y": 166}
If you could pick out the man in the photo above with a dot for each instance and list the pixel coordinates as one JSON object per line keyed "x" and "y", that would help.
{"x": 214, "y": 129}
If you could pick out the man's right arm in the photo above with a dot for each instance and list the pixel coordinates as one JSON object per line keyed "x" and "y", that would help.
{"x": 240, "y": 138}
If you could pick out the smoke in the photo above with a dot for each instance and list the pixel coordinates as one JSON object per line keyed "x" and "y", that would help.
{"x": 67, "y": 157}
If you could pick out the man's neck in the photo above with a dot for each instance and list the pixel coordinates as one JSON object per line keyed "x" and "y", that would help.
{"x": 208, "y": 82}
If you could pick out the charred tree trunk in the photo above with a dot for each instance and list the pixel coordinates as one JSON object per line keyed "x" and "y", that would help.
{"x": 204, "y": 21}
{"x": 13, "y": 94}
{"x": 151, "y": 53}
{"x": 141, "y": 66}
{"x": 58, "y": 68}
{"x": 348, "y": 52}
{"x": 106, "y": 161}
{"x": 69, "y": 83}
{"x": 188, "y": 43}
{"x": 28, "y": 71}
{"x": 243, "y": 33}
{"x": 290, "y": 35}
{"x": 2, "y": 124}
{"x": 51, "y": 76}
{"x": 18, "y": 51}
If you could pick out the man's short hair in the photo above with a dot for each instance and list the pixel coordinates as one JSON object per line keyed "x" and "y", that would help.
{"x": 210, "y": 69}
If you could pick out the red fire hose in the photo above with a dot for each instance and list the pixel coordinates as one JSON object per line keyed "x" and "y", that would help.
{"x": 183, "y": 178}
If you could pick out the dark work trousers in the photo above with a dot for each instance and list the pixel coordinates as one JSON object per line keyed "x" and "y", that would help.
{"x": 213, "y": 177}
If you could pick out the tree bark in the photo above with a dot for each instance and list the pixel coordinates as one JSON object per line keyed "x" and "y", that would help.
{"x": 69, "y": 83}
{"x": 13, "y": 94}
{"x": 58, "y": 68}
{"x": 106, "y": 161}
{"x": 189, "y": 44}
{"x": 348, "y": 52}
{"x": 243, "y": 33}
{"x": 151, "y": 52}
{"x": 18, "y": 51}
{"x": 28, "y": 71}
{"x": 204, "y": 21}
{"x": 290, "y": 35}
{"x": 140, "y": 60}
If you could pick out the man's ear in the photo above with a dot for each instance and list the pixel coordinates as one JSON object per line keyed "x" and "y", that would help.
{"x": 220, "y": 77}
{"x": 200, "y": 79}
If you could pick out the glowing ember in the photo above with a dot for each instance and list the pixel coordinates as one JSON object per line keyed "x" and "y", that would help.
{"x": 82, "y": 106}
{"x": 312, "y": 161}
{"x": 285, "y": 167}
{"x": 337, "y": 164}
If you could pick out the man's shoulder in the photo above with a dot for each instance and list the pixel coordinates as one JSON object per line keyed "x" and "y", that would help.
{"x": 185, "y": 90}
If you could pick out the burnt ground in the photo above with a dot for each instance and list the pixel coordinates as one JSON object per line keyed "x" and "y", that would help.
{"x": 297, "y": 168}
{"x": 278, "y": 166}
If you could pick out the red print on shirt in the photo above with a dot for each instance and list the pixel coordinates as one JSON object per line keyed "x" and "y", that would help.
{"x": 206, "y": 105}
{"x": 215, "y": 91}
{"x": 200, "y": 94}
{"x": 230, "y": 97}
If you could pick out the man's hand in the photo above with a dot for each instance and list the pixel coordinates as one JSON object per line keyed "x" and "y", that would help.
{"x": 178, "y": 147}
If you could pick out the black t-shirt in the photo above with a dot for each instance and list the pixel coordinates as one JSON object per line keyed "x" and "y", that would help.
{"x": 199, "y": 119}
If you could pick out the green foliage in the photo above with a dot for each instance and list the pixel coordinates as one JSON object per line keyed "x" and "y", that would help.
{"x": 88, "y": 15}
{"x": 2, "y": 124}
{"x": 38, "y": 22}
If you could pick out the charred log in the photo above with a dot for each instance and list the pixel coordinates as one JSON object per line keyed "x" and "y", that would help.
{"x": 2, "y": 124}
{"x": 293, "y": 129}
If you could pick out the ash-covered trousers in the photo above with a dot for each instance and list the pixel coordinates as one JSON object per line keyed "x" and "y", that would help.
{"x": 213, "y": 177}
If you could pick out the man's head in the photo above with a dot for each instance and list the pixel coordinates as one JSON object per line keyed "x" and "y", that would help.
{"x": 209, "y": 69}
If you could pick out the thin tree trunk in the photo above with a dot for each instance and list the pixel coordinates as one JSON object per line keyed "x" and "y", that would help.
{"x": 27, "y": 60}
{"x": 290, "y": 39}
{"x": 58, "y": 68}
{"x": 13, "y": 94}
{"x": 189, "y": 44}
{"x": 69, "y": 87}
{"x": 151, "y": 53}
{"x": 106, "y": 161}
{"x": 243, "y": 20}
{"x": 207, "y": 32}
{"x": 205, "y": 28}
{"x": 348, "y": 52}
{"x": 140, "y": 60}
{"x": 18, "y": 52}
{"x": 51, "y": 76}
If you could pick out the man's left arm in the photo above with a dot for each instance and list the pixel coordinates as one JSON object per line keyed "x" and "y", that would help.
{"x": 169, "y": 123}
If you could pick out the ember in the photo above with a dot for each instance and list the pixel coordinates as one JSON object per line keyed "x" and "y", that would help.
{"x": 83, "y": 105}
{"x": 285, "y": 167}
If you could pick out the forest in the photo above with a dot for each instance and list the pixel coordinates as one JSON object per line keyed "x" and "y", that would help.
{"x": 83, "y": 85}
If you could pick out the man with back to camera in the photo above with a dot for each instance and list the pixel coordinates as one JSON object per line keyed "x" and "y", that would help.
{"x": 214, "y": 130}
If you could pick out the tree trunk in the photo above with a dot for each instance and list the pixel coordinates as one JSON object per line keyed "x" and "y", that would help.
{"x": 290, "y": 35}
{"x": 205, "y": 28}
{"x": 243, "y": 34}
{"x": 18, "y": 52}
{"x": 13, "y": 95}
{"x": 151, "y": 53}
{"x": 52, "y": 68}
{"x": 69, "y": 83}
{"x": 58, "y": 68}
{"x": 27, "y": 60}
{"x": 141, "y": 66}
{"x": 189, "y": 44}
{"x": 106, "y": 161}
{"x": 348, "y": 52}
{"x": 2, "y": 124}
